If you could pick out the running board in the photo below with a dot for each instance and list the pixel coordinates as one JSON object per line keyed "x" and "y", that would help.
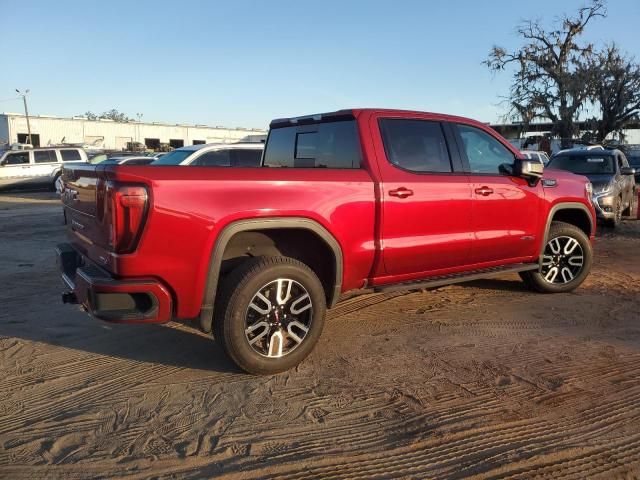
{"x": 441, "y": 280}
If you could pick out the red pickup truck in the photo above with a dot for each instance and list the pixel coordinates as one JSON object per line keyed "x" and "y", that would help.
{"x": 354, "y": 199}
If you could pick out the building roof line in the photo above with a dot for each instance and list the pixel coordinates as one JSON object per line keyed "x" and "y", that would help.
{"x": 133, "y": 122}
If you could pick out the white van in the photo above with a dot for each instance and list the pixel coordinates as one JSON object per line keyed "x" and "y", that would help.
{"x": 37, "y": 167}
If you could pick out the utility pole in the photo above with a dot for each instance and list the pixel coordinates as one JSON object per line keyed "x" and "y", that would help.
{"x": 26, "y": 113}
{"x": 139, "y": 115}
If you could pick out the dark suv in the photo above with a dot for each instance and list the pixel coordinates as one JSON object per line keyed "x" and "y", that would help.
{"x": 610, "y": 174}
{"x": 633, "y": 155}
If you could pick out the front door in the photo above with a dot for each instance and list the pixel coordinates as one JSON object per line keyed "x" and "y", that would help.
{"x": 426, "y": 199}
{"x": 15, "y": 169}
{"x": 506, "y": 208}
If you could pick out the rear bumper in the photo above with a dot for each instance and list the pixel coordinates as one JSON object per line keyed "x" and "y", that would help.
{"x": 140, "y": 300}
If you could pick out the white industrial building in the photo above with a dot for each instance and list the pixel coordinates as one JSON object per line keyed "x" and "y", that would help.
{"x": 109, "y": 135}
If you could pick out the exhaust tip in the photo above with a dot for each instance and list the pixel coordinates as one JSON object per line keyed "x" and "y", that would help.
{"x": 69, "y": 297}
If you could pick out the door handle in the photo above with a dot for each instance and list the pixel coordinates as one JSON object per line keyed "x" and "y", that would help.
{"x": 401, "y": 192}
{"x": 484, "y": 191}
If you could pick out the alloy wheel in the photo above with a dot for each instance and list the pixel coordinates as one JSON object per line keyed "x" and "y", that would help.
{"x": 562, "y": 260}
{"x": 278, "y": 318}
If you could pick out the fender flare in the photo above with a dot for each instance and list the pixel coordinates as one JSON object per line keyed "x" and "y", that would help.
{"x": 271, "y": 223}
{"x": 563, "y": 206}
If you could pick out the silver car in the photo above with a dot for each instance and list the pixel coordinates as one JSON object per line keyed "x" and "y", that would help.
{"x": 610, "y": 175}
{"x": 215, "y": 155}
{"x": 38, "y": 167}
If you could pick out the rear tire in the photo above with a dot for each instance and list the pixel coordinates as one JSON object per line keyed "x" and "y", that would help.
{"x": 269, "y": 314}
{"x": 566, "y": 260}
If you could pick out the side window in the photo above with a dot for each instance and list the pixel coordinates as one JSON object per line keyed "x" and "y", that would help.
{"x": 17, "y": 158}
{"x": 44, "y": 156}
{"x": 485, "y": 153}
{"x": 322, "y": 145}
{"x": 415, "y": 145}
{"x": 245, "y": 158}
{"x": 218, "y": 158}
{"x": 70, "y": 155}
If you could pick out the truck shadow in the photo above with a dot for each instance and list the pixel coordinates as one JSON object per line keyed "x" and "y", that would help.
{"x": 512, "y": 285}
{"x": 174, "y": 344}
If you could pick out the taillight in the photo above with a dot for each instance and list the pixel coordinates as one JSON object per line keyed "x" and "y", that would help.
{"x": 126, "y": 207}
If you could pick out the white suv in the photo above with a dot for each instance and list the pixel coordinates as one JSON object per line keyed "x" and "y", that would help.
{"x": 37, "y": 167}
{"x": 215, "y": 155}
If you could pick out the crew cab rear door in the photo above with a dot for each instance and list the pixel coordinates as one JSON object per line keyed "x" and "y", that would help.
{"x": 426, "y": 199}
{"x": 506, "y": 208}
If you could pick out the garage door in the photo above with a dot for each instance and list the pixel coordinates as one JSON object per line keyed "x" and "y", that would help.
{"x": 121, "y": 142}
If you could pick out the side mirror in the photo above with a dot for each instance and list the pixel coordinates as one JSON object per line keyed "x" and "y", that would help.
{"x": 530, "y": 170}
{"x": 627, "y": 171}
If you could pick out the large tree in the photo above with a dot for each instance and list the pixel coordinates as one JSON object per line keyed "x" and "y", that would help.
{"x": 112, "y": 114}
{"x": 615, "y": 84}
{"x": 552, "y": 69}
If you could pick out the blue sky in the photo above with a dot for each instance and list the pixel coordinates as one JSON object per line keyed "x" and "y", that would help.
{"x": 242, "y": 63}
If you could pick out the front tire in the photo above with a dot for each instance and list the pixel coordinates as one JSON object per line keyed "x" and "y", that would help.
{"x": 566, "y": 260}
{"x": 57, "y": 184}
{"x": 269, "y": 314}
{"x": 617, "y": 212}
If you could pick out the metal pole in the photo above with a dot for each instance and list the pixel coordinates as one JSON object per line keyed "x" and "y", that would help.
{"x": 26, "y": 113}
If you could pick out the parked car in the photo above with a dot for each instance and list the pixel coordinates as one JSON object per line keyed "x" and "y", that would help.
{"x": 136, "y": 147}
{"x": 542, "y": 157}
{"x": 97, "y": 157}
{"x": 215, "y": 155}
{"x": 610, "y": 174}
{"x": 36, "y": 167}
{"x": 129, "y": 160}
{"x": 355, "y": 199}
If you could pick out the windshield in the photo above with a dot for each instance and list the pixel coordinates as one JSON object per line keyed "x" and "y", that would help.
{"x": 583, "y": 164}
{"x": 634, "y": 159}
{"x": 173, "y": 158}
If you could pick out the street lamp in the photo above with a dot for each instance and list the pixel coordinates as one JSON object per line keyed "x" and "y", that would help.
{"x": 139, "y": 115}
{"x": 26, "y": 113}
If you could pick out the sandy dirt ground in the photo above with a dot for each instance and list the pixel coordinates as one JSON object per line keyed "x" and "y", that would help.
{"x": 483, "y": 380}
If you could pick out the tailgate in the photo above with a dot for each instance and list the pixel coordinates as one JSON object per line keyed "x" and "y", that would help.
{"x": 79, "y": 197}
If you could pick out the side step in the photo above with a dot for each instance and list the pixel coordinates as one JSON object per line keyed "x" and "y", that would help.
{"x": 441, "y": 280}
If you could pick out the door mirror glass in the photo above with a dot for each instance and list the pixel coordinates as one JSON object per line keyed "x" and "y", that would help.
{"x": 627, "y": 171}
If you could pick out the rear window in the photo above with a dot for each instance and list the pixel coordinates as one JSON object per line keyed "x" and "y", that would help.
{"x": 322, "y": 145}
{"x": 246, "y": 158}
{"x": 415, "y": 145}
{"x": 70, "y": 155}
